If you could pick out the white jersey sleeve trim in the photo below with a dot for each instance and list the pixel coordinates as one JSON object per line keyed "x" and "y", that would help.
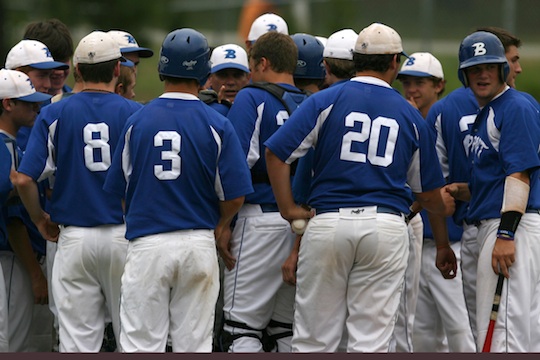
{"x": 494, "y": 134}
{"x": 50, "y": 164}
{"x": 413, "y": 173}
{"x": 253, "y": 153}
{"x": 218, "y": 186}
{"x": 127, "y": 166}
{"x": 440, "y": 146}
{"x": 311, "y": 139}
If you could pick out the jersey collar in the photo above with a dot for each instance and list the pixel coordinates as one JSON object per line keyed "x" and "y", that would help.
{"x": 371, "y": 80}
{"x": 178, "y": 95}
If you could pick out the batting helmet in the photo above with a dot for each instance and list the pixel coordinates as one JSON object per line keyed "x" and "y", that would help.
{"x": 185, "y": 54}
{"x": 310, "y": 57}
{"x": 481, "y": 47}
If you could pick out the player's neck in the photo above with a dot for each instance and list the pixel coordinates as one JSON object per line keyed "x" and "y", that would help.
{"x": 8, "y": 126}
{"x": 97, "y": 87}
{"x": 187, "y": 87}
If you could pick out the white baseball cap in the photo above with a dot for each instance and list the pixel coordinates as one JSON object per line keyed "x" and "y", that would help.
{"x": 378, "y": 39}
{"x": 422, "y": 64}
{"x": 97, "y": 47}
{"x": 32, "y": 53}
{"x": 229, "y": 56}
{"x": 16, "y": 85}
{"x": 340, "y": 45}
{"x": 265, "y": 23}
{"x": 128, "y": 44}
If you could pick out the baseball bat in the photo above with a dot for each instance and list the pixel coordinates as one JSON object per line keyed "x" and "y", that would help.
{"x": 494, "y": 312}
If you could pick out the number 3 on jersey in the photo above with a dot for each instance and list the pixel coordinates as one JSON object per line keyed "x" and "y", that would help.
{"x": 371, "y": 131}
{"x": 171, "y": 155}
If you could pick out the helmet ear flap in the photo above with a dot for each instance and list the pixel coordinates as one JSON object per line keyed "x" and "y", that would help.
{"x": 463, "y": 77}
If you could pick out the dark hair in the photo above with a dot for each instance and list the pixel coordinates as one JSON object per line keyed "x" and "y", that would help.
{"x": 98, "y": 73}
{"x": 505, "y": 36}
{"x": 341, "y": 68}
{"x": 55, "y": 35}
{"x": 380, "y": 62}
{"x": 279, "y": 49}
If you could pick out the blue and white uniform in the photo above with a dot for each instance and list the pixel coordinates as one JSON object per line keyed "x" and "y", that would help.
{"x": 255, "y": 296}
{"x": 366, "y": 152}
{"x": 5, "y": 188}
{"x": 451, "y": 118}
{"x": 441, "y": 322}
{"x": 176, "y": 161}
{"x": 505, "y": 140}
{"x": 22, "y": 310}
{"x": 74, "y": 139}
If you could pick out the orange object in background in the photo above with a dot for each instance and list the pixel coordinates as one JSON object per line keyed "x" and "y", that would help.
{"x": 251, "y": 10}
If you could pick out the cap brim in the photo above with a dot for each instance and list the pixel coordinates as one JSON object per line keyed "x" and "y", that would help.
{"x": 48, "y": 65}
{"x": 143, "y": 52}
{"x": 404, "y": 54}
{"x": 35, "y": 97}
{"x": 414, "y": 73}
{"x": 228, "y": 66}
{"x": 126, "y": 62}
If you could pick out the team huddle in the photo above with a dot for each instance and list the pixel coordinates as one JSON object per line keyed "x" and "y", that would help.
{"x": 279, "y": 196}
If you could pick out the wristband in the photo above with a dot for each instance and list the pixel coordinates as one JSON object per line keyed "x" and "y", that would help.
{"x": 508, "y": 225}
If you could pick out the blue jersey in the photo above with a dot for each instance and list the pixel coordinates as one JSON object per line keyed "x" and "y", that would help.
{"x": 370, "y": 144}
{"x": 505, "y": 140}
{"x": 17, "y": 209}
{"x": 74, "y": 139}
{"x": 454, "y": 231}
{"x": 451, "y": 118}
{"x": 256, "y": 114}
{"x": 5, "y": 185}
{"x": 178, "y": 158}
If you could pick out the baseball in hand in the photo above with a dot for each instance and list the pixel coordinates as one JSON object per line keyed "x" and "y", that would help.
{"x": 299, "y": 226}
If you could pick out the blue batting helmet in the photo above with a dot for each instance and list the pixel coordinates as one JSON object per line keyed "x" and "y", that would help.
{"x": 310, "y": 57}
{"x": 481, "y": 47}
{"x": 185, "y": 54}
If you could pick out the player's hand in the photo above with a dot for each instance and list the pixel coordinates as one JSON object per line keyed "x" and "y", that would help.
{"x": 39, "y": 288}
{"x": 503, "y": 256}
{"x": 221, "y": 94}
{"x": 446, "y": 262}
{"x": 223, "y": 236}
{"x": 299, "y": 212}
{"x": 449, "y": 202}
{"x": 48, "y": 229}
{"x": 288, "y": 269}
{"x": 411, "y": 101}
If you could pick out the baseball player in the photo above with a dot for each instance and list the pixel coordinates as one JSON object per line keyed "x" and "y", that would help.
{"x": 78, "y": 136}
{"x": 229, "y": 73}
{"x": 193, "y": 162}
{"x": 421, "y": 90}
{"x": 34, "y": 59}
{"x": 263, "y": 24}
{"x": 441, "y": 322}
{"x": 22, "y": 257}
{"x": 129, "y": 47}
{"x": 503, "y": 195}
{"x": 338, "y": 56}
{"x": 354, "y": 251}
{"x": 309, "y": 73}
{"x": 257, "y": 302}
{"x": 5, "y": 191}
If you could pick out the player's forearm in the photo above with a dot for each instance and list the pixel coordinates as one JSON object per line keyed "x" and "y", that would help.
{"x": 21, "y": 246}
{"x": 228, "y": 210}
{"x": 439, "y": 230}
{"x": 29, "y": 194}
{"x": 436, "y": 201}
{"x": 279, "y": 174}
